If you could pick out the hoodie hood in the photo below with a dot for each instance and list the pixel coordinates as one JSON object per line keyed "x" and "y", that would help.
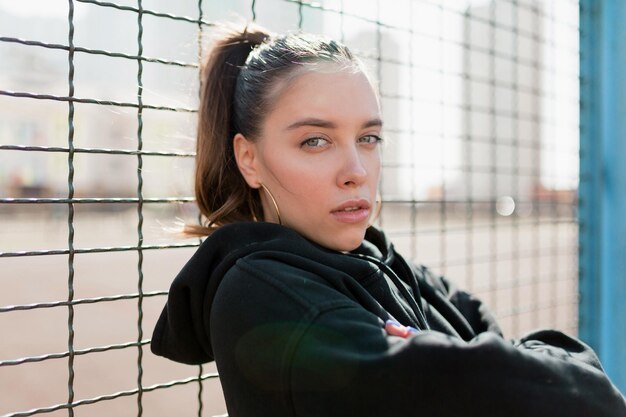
{"x": 182, "y": 331}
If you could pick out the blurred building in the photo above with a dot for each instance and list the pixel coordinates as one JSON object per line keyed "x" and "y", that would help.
{"x": 502, "y": 106}
{"x": 44, "y": 123}
{"x": 465, "y": 117}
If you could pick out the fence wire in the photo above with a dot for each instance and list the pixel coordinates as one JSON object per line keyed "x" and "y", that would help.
{"x": 480, "y": 101}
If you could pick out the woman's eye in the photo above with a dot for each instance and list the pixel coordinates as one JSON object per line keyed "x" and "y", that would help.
{"x": 315, "y": 142}
{"x": 370, "y": 139}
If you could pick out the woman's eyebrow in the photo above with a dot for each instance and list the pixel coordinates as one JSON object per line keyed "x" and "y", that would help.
{"x": 311, "y": 121}
{"x": 373, "y": 122}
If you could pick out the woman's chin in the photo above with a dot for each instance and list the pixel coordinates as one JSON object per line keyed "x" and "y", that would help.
{"x": 346, "y": 242}
{"x": 340, "y": 239}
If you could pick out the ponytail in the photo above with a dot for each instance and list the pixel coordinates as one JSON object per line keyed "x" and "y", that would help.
{"x": 221, "y": 192}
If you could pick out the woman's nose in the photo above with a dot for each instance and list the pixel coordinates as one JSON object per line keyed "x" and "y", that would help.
{"x": 353, "y": 171}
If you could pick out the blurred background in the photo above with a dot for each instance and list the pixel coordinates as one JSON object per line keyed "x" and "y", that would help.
{"x": 481, "y": 103}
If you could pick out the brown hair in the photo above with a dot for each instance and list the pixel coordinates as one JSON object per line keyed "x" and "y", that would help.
{"x": 239, "y": 81}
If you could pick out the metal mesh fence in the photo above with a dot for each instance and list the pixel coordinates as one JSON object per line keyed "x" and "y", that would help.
{"x": 98, "y": 99}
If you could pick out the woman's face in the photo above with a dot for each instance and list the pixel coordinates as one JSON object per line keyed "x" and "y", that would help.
{"x": 319, "y": 156}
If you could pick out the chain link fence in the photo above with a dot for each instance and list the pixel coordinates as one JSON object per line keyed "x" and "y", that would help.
{"x": 98, "y": 99}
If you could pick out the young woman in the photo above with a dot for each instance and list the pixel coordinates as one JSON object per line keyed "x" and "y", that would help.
{"x": 306, "y": 308}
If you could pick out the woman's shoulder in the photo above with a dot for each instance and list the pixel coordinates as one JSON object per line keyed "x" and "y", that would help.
{"x": 282, "y": 266}
{"x": 275, "y": 255}
{"x": 276, "y": 247}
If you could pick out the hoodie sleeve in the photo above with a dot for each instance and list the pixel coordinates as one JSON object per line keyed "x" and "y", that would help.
{"x": 480, "y": 318}
{"x": 296, "y": 347}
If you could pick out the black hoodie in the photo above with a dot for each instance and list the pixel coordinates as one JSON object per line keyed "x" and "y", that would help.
{"x": 298, "y": 330}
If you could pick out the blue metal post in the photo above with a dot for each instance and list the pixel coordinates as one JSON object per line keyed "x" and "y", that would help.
{"x": 602, "y": 202}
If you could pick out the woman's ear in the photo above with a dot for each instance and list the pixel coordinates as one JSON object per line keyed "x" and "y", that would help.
{"x": 246, "y": 157}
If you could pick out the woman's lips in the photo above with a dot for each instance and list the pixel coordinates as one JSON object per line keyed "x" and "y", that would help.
{"x": 352, "y": 211}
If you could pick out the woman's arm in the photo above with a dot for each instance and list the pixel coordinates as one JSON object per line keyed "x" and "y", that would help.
{"x": 479, "y": 317}
{"x": 438, "y": 375}
{"x": 294, "y": 346}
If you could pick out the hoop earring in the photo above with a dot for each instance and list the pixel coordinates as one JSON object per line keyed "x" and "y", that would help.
{"x": 379, "y": 206}
{"x": 269, "y": 193}
{"x": 251, "y": 208}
